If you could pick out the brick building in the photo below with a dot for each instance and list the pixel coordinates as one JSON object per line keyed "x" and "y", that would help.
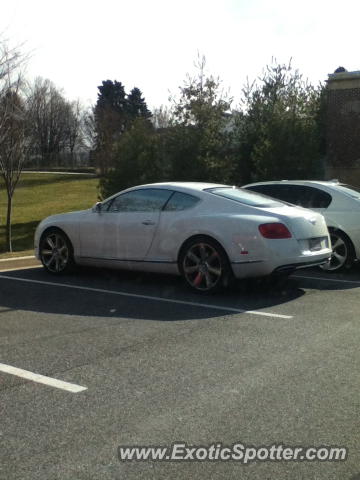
{"x": 343, "y": 126}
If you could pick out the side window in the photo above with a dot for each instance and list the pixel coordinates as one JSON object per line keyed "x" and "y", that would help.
{"x": 301, "y": 195}
{"x": 310, "y": 197}
{"x": 321, "y": 199}
{"x": 144, "y": 200}
{"x": 180, "y": 201}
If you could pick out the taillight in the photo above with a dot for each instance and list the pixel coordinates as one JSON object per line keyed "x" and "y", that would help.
{"x": 274, "y": 230}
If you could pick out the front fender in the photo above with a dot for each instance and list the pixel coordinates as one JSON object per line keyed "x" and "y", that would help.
{"x": 70, "y": 226}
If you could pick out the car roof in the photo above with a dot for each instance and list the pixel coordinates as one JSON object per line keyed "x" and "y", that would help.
{"x": 329, "y": 183}
{"x": 199, "y": 186}
{"x": 186, "y": 187}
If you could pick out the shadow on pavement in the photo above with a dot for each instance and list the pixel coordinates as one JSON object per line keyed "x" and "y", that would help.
{"x": 321, "y": 280}
{"x": 59, "y": 299}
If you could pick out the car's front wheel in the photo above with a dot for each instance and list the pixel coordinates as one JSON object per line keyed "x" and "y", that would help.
{"x": 56, "y": 253}
{"x": 204, "y": 265}
{"x": 342, "y": 253}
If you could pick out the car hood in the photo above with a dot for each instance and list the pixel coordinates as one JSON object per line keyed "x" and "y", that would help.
{"x": 64, "y": 217}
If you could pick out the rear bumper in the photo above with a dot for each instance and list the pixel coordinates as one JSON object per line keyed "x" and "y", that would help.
{"x": 262, "y": 268}
{"x": 296, "y": 266}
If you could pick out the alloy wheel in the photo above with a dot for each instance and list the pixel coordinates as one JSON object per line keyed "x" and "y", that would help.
{"x": 339, "y": 255}
{"x": 202, "y": 266}
{"x": 55, "y": 252}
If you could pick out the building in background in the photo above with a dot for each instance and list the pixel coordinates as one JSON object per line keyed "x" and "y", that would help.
{"x": 343, "y": 126}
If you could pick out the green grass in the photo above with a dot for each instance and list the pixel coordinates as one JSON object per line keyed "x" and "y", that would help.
{"x": 39, "y": 195}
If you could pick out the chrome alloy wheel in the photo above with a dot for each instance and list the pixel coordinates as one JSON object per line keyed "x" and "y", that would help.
{"x": 54, "y": 252}
{"x": 202, "y": 266}
{"x": 340, "y": 253}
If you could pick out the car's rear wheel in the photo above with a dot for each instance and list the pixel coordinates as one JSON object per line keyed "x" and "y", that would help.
{"x": 342, "y": 252}
{"x": 204, "y": 265}
{"x": 56, "y": 252}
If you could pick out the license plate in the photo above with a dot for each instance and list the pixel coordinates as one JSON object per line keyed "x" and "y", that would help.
{"x": 317, "y": 243}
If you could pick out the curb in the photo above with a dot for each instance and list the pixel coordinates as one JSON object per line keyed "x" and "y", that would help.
{"x": 19, "y": 263}
{"x": 10, "y": 259}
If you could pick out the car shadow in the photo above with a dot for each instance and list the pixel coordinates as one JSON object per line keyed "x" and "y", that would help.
{"x": 322, "y": 280}
{"x": 109, "y": 293}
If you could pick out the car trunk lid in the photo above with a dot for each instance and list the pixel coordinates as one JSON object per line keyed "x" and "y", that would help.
{"x": 302, "y": 223}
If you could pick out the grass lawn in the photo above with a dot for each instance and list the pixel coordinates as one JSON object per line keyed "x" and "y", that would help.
{"x": 39, "y": 195}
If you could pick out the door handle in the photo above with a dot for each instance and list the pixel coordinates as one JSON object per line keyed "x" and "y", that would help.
{"x": 148, "y": 222}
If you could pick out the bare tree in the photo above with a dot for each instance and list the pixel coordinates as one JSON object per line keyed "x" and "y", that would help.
{"x": 12, "y": 126}
{"x": 88, "y": 128}
{"x": 74, "y": 128}
{"x": 55, "y": 123}
{"x": 162, "y": 117}
{"x": 49, "y": 120}
{"x": 10, "y": 60}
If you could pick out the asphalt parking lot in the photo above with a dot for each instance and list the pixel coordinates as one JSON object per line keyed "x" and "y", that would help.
{"x": 136, "y": 359}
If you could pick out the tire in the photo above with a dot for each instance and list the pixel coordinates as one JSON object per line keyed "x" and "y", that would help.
{"x": 56, "y": 252}
{"x": 204, "y": 265}
{"x": 342, "y": 256}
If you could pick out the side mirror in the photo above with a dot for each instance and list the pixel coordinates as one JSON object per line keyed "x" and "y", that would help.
{"x": 97, "y": 207}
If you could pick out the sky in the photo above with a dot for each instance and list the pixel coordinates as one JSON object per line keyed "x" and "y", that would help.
{"x": 153, "y": 44}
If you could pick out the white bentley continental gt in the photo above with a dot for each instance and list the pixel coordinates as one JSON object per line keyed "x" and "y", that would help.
{"x": 338, "y": 202}
{"x": 205, "y": 232}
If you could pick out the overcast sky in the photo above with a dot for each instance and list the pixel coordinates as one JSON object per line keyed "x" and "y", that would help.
{"x": 153, "y": 44}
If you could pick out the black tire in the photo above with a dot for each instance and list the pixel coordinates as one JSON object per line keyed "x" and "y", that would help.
{"x": 204, "y": 265}
{"x": 56, "y": 252}
{"x": 342, "y": 256}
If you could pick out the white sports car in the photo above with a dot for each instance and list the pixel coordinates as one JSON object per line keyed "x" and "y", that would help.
{"x": 205, "y": 232}
{"x": 340, "y": 205}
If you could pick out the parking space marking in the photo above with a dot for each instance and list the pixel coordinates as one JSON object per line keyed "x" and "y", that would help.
{"x": 148, "y": 297}
{"x": 36, "y": 377}
{"x": 326, "y": 279}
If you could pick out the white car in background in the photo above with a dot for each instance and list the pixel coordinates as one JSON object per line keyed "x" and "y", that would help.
{"x": 205, "y": 232}
{"x": 338, "y": 202}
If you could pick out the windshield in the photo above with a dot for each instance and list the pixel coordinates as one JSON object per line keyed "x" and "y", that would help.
{"x": 246, "y": 197}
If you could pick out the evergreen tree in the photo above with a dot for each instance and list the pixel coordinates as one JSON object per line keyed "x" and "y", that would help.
{"x": 111, "y": 96}
{"x": 138, "y": 159}
{"x": 136, "y": 105}
{"x": 280, "y": 135}
{"x": 114, "y": 113}
{"x": 200, "y": 141}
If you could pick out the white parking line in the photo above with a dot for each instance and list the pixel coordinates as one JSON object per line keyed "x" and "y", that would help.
{"x": 148, "y": 297}
{"x": 327, "y": 279}
{"x": 35, "y": 377}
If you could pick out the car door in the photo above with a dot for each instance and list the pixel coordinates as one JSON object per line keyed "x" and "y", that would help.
{"x": 174, "y": 220}
{"x": 124, "y": 227}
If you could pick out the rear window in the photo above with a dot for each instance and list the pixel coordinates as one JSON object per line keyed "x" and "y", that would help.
{"x": 180, "y": 201}
{"x": 245, "y": 196}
